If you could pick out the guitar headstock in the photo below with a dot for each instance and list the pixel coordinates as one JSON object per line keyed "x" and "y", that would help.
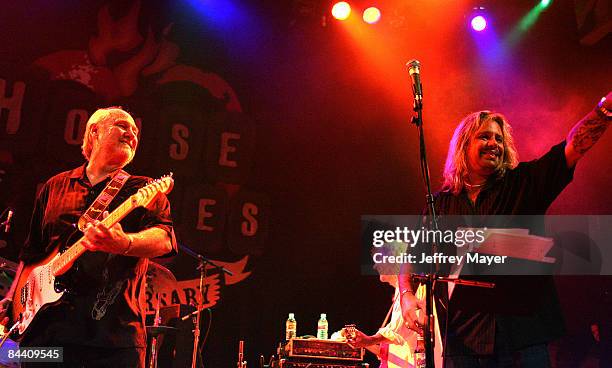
{"x": 146, "y": 194}
{"x": 349, "y": 331}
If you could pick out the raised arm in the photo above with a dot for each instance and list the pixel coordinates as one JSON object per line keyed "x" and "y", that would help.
{"x": 588, "y": 131}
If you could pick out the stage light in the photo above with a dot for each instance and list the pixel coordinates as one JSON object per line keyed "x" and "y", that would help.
{"x": 545, "y": 3}
{"x": 478, "y": 23}
{"x": 526, "y": 23}
{"x": 341, "y": 10}
{"x": 371, "y": 15}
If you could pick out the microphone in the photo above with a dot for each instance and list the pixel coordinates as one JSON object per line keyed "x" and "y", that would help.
{"x": 7, "y": 223}
{"x": 413, "y": 68}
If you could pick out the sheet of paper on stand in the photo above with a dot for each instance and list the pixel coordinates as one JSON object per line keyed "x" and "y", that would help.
{"x": 514, "y": 243}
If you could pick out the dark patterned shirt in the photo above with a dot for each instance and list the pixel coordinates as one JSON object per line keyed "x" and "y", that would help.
{"x": 105, "y": 306}
{"x": 526, "y": 308}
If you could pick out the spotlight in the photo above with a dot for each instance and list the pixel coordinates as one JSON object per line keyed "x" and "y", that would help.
{"x": 341, "y": 10}
{"x": 371, "y": 15}
{"x": 545, "y": 3}
{"x": 479, "y": 23}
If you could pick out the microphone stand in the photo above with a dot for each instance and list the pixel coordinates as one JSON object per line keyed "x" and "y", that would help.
{"x": 430, "y": 279}
{"x": 7, "y": 223}
{"x": 203, "y": 261}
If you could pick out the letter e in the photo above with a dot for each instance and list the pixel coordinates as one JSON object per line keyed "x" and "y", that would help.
{"x": 203, "y": 214}
{"x": 226, "y": 149}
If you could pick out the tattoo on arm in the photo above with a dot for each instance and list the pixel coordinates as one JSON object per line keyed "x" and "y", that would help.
{"x": 587, "y": 132}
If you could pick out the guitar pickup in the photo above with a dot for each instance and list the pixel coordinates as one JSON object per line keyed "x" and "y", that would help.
{"x": 25, "y": 293}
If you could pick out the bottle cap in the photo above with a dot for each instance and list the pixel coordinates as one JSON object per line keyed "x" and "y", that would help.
{"x": 323, "y": 315}
{"x": 291, "y": 316}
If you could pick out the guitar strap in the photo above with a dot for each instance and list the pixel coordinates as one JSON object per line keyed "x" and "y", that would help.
{"x": 383, "y": 353}
{"x": 395, "y": 296}
{"x": 104, "y": 199}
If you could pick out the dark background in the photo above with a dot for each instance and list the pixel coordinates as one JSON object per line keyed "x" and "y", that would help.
{"x": 328, "y": 107}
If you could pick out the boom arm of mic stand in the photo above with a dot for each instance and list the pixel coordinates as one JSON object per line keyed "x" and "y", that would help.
{"x": 457, "y": 281}
{"x": 203, "y": 259}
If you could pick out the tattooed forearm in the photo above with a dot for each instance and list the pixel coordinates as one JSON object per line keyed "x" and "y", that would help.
{"x": 587, "y": 132}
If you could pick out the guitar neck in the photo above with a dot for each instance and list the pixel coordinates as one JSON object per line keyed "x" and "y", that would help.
{"x": 63, "y": 263}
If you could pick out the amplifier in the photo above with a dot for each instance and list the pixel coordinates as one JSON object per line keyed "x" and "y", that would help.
{"x": 307, "y": 364}
{"x": 322, "y": 349}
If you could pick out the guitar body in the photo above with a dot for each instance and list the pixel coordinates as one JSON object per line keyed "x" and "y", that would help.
{"x": 35, "y": 291}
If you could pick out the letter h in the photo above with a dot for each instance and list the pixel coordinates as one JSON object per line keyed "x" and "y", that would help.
{"x": 12, "y": 104}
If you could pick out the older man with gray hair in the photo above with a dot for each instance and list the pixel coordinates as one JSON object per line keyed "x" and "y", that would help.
{"x": 100, "y": 321}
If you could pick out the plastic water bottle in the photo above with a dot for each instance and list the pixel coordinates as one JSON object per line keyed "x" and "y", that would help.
{"x": 419, "y": 353}
{"x": 290, "y": 327}
{"x": 322, "y": 327}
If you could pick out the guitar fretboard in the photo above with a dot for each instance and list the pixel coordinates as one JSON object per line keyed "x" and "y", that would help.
{"x": 62, "y": 263}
